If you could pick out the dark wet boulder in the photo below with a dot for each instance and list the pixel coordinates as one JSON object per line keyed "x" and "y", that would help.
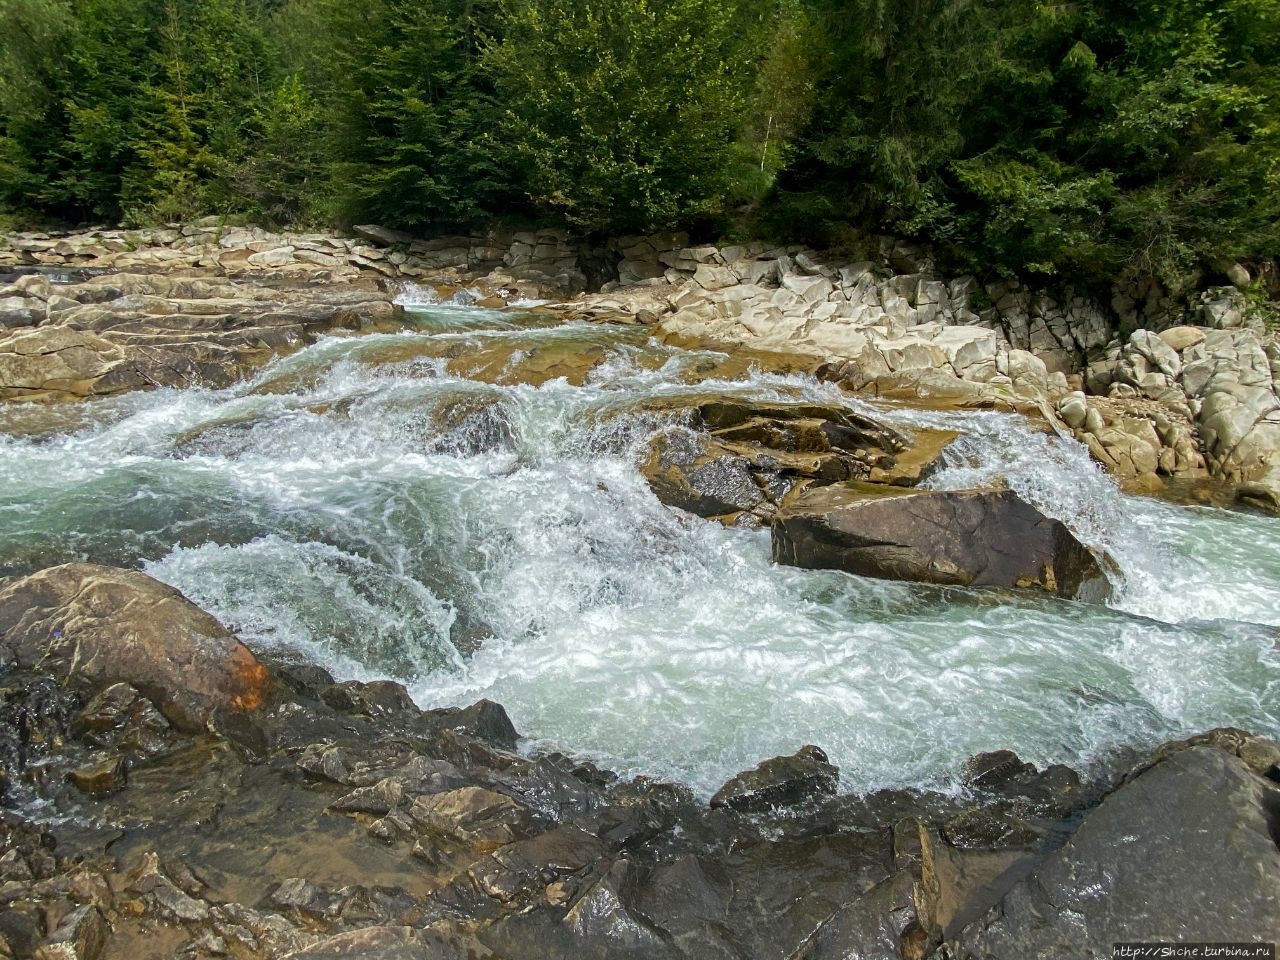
{"x": 980, "y": 538}
{"x": 695, "y": 473}
{"x": 803, "y": 777}
{"x": 479, "y": 818}
{"x": 1184, "y": 852}
{"x": 484, "y": 719}
{"x": 92, "y": 626}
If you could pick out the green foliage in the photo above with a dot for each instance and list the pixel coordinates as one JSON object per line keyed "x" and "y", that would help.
{"x": 1079, "y": 140}
{"x": 621, "y": 114}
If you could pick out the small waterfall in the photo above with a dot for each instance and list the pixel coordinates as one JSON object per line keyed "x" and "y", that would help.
{"x": 377, "y": 505}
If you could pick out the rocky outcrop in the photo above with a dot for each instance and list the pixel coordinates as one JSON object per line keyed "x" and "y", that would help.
{"x": 967, "y": 537}
{"x": 92, "y": 626}
{"x": 1186, "y": 402}
{"x": 1196, "y": 828}
{"x": 534, "y": 261}
{"x": 1180, "y": 401}
{"x": 121, "y": 332}
{"x": 740, "y": 463}
{"x": 893, "y": 334}
{"x": 341, "y": 821}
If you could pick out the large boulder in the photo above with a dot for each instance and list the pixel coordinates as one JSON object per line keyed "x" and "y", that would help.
{"x": 92, "y": 626}
{"x": 980, "y": 538}
{"x": 1185, "y": 852}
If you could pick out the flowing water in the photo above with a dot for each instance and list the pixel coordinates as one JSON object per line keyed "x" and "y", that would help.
{"x": 456, "y": 507}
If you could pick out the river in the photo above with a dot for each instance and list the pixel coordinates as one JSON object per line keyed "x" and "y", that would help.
{"x": 393, "y": 505}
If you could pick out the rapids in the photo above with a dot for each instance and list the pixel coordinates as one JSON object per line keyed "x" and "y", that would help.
{"x": 457, "y": 507}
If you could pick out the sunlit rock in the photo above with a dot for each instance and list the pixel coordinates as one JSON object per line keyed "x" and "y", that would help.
{"x": 93, "y": 625}
{"x": 966, "y": 538}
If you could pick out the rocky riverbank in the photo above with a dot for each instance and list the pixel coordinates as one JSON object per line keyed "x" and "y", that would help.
{"x": 1158, "y": 389}
{"x": 226, "y": 805}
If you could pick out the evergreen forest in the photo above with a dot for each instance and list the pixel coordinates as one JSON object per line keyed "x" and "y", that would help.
{"x": 1077, "y": 140}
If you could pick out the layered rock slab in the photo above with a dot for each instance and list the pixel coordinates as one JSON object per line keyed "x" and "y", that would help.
{"x": 740, "y": 463}
{"x": 978, "y": 538}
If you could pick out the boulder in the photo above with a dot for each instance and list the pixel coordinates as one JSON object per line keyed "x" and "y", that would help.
{"x": 1136, "y": 870}
{"x": 384, "y": 236}
{"x": 479, "y": 818}
{"x": 93, "y": 626}
{"x": 752, "y": 458}
{"x": 805, "y": 776}
{"x": 980, "y": 538}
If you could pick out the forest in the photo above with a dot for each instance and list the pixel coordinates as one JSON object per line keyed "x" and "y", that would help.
{"x": 1077, "y": 141}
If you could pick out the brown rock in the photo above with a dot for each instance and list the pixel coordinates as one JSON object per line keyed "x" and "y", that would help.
{"x": 780, "y": 782}
{"x": 980, "y": 538}
{"x": 477, "y": 817}
{"x": 92, "y": 625}
{"x": 101, "y": 778}
{"x": 81, "y": 935}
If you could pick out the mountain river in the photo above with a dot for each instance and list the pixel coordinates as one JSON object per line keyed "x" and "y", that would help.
{"x": 409, "y": 505}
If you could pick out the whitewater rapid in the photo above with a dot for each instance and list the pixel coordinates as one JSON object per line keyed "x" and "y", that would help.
{"x": 364, "y": 505}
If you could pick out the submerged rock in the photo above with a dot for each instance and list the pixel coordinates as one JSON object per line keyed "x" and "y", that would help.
{"x": 980, "y": 538}
{"x": 92, "y": 625}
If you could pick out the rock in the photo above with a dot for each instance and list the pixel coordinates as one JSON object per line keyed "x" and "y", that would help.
{"x": 479, "y": 818}
{"x": 300, "y": 895}
{"x": 20, "y": 312}
{"x": 1135, "y": 871}
{"x": 1239, "y": 276}
{"x": 993, "y": 769}
{"x": 55, "y": 360}
{"x": 392, "y": 943}
{"x": 379, "y": 799}
{"x": 1182, "y": 338}
{"x": 526, "y": 864}
{"x": 804, "y": 777}
{"x": 93, "y": 625}
{"x": 923, "y": 456}
{"x": 970, "y": 538}
{"x": 277, "y": 257}
{"x": 1074, "y": 410}
{"x": 600, "y": 916}
{"x": 487, "y": 721}
{"x": 756, "y": 457}
{"x": 120, "y": 718}
{"x": 81, "y": 935}
{"x": 701, "y": 476}
{"x": 101, "y": 778}
{"x": 381, "y": 235}
{"x": 1260, "y": 495}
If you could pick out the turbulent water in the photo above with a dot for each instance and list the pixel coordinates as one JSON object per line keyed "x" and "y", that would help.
{"x": 396, "y": 505}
